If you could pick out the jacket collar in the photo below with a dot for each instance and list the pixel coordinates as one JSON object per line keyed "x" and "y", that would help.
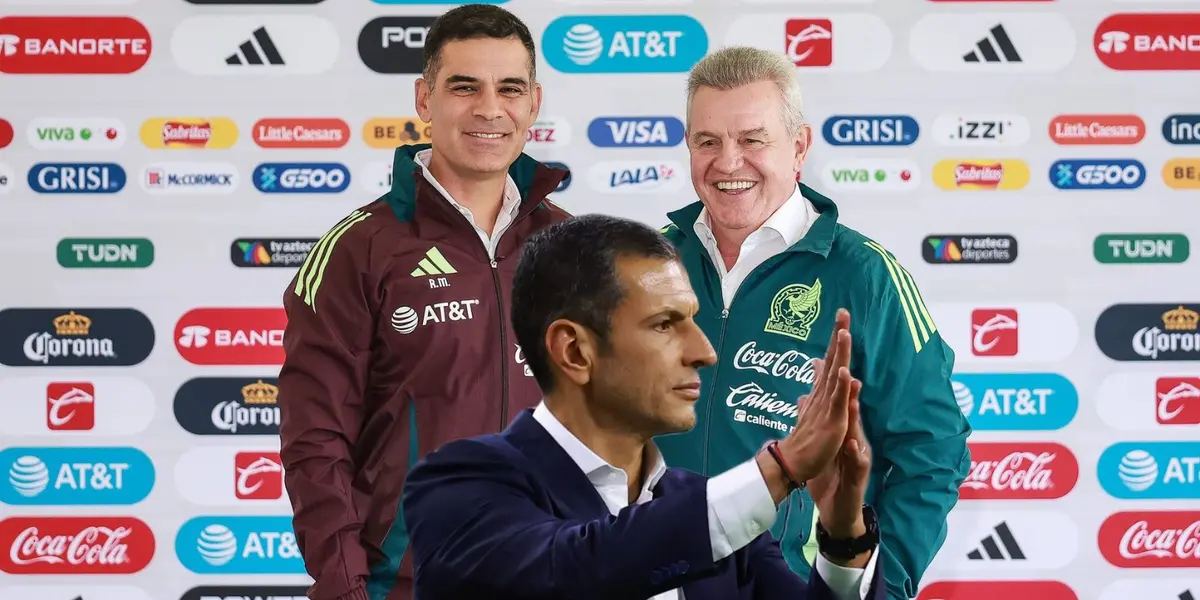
{"x": 818, "y": 239}
{"x": 557, "y": 469}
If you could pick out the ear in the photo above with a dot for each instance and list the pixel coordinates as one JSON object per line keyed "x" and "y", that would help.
{"x": 422, "y": 91}
{"x": 802, "y": 146}
{"x": 536, "y": 109}
{"x": 572, "y": 349}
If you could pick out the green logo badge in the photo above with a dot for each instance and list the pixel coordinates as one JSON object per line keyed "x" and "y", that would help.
{"x": 1141, "y": 248}
{"x": 794, "y": 309}
{"x": 105, "y": 253}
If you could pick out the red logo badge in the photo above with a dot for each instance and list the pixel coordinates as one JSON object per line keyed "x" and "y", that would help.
{"x": 1149, "y": 41}
{"x": 6, "y": 133}
{"x": 995, "y": 332}
{"x": 75, "y": 545}
{"x": 1151, "y": 540}
{"x": 301, "y": 133}
{"x": 231, "y": 336}
{"x": 997, "y": 590}
{"x": 73, "y": 45}
{"x": 258, "y": 476}
{"x": 1177, "y": 400}
{"x": 809, "y": 42}
{"x": 70, "y": 406}
{"x": 1019, "y": 471}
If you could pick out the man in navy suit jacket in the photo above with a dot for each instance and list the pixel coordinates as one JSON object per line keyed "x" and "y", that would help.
{"x": 573, "y": 500}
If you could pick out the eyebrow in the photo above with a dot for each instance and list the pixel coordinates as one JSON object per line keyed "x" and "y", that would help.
{"x": 468, "y": 79}
{"x": 744, "y": 132}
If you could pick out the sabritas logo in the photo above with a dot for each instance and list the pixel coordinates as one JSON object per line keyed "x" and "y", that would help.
{"x": 997, "y": 590}
{"x": 1077, "y": 130}
{"x": 72, "y": 45}
{"x": 75, "y": 545}
{"x": 388, "y": 133}
{"x": 1019, "y": 471}
{"x": 1151, "y": 539}
{"x": 301, "y": 133}
{"x": 231, "y": 336}
{"x": 189, "y": 133}
{"x": 980, "y": 174}
{"x": 1149, "y": 41}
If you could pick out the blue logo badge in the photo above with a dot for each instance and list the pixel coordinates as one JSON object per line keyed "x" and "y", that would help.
{"x": 867, "y": 130}
{"x": 566, "y": 182}
{"x": 1097, "y": 174}
{"x": 1015, "y": 401}
{"x": 624, "y": 43}
{"x": 612, "y": 132}
{"x": 230, "y": 545}
{"x": 1151, "y": 470}
{"x": 63, "y": 475}
{"x": 1182, "y": 129}
{"x": 76, "y": 178}
{"x": 301, "y": 178}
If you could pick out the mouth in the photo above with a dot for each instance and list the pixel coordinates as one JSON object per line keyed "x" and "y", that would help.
{"x": 735, "y": 187}
{"x": 689, "y": 390}
{"x": 486, "y": 136}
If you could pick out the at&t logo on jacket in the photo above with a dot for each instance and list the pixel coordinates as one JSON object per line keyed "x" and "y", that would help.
{"x": 75, "y": 476}
{"x": 237, "y": 544}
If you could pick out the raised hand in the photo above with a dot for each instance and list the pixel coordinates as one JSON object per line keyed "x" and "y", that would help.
{"x": 823, "y": 417}
{"x": 838, "y": 491}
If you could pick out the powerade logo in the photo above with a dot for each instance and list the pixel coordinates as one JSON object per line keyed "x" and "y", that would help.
{"x": 228, "y": 545}
{"x": 1015, "y": 401}
{"x": 1182, "y": 129}
{"x": 301, "y": 178}
{"x": 57, "y": 476}
{"x": 615, "y": 132}
{"x": 76, "y": 178}
{"x": 624, "y": 44}
{"x": 1151, "y": 470}
{"x": 865, "y": 130}
{"x": 1100, "y": 174}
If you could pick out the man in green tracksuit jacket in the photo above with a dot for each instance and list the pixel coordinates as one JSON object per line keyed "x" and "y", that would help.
{"x": 771, "y": 265}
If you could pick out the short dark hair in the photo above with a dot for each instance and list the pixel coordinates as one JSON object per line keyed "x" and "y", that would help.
{"x": 473, "y": 21}
{"x": 569, "y": 271}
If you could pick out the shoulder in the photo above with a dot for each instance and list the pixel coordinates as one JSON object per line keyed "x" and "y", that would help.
{"x": 673, "y": 233}
{"x": 555, "y": 212}
{"x": 878, "y": 270}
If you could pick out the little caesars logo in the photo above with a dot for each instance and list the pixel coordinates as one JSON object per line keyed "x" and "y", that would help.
{"x": 70, "y": 339}
{"x": 794, "y": 309}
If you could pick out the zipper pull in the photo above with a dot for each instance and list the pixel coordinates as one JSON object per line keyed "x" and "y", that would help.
{"x": 725, "y": 313}
{"x": 493, "y": 263}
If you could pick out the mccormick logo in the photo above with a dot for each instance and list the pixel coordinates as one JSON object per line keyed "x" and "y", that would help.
{"x": 239, "y": 545}
{"x": 75, "y": 545}
{"x": 73, "y": 45}
{"x": 76, "y": 178}
{"x": 980, "y": 174}
{"x": 231, "y": 336}
{"x": 189, "y": 133}
{"x": 1177, "y": 400}
{"x": 1149, "y": 41}
{"x": 1097, "y": 130}
{"x": 228, "y": 406}
{"x": 615, "y": 132}
{"x": 1176, "y": 129}
{"x": 872, "y": 174}
{"x": 1015, "y": 401}
{"x": 301, "y": 178}
{"x": 866, "y": 130}
{"x": 1019, "y": 471}
{"x": 624, "y": 44}
{"x": 994, "y": 332}
{"x": 1151, "y": 470}
{"x": 257, "y": 476}
{"x": 548, "y": 132}
{"x": 76, "y": 134}
{"x": 1097, "y": 174}
{"x": 179, "y": 178}
{"x": 81, "y": 337}
{"x": 300, "y": 133}
{"x": 1151, "y": 539}
{"x": 996, "y": 590}
{"x": 394, "y": 45}
{"x": 969, "y": 249}
{"x": 635, "y": 177}
{"x": 60, "y": 476}
{"x": 1149, "y": 332}
{"x": 262, "y": 252}
{"x": 390, "y": 133}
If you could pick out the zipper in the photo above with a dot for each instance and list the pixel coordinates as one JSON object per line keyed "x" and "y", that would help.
{"x": 712, "y": 394}
{"x": 503, "y": 343}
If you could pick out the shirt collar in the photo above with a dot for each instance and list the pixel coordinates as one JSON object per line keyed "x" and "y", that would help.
{"x": 589, "y": 462}
{"x": 512, "y": 195}
{"x": 790, "y": 221}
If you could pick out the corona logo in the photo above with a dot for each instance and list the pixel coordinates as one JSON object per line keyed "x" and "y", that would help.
{"x": 1181, "y": 319}
{"x": 72, "y": 324}
{"x": 260, "y": 393}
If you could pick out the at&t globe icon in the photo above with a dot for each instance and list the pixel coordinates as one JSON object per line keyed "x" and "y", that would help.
{"x": 29, "y": 476}
{"x": 405, "y": 320}
{"x": 1138, "y": 470}
{"x": 583, "y": 44}
{"x": 216, "y": 545}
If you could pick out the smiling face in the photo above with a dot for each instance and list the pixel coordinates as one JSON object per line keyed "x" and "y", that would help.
{"x": 480, "y": 105}
{"x": 744, "y": 162}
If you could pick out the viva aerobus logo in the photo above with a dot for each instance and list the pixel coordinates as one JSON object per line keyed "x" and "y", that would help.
{"x": 105, "y": 253}
{"x": 1015, "y": 401}
{"x": 227, "y": 545}
{"x": 1151, "y": 470}
{"x": 1141, "y": 248}
{"x": 624, "y": 44}
{"x": 59, "y": 476}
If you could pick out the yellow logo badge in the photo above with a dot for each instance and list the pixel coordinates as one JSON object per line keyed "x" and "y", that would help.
{"x": 794, "y": 309}
{"x": 391, "y": 133}
{"x": 1182, "y": 173}
{"x": 980, "y": 174}
{"x": 189, "y": 133}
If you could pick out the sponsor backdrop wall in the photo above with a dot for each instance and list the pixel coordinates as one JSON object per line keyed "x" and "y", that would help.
{"x": 167, "y": 164}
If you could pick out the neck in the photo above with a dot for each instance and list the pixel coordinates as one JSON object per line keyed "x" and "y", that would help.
{"x": 729, "y": 242}
{"x": 482, "y": 194}
{"x": 603, "y": 434}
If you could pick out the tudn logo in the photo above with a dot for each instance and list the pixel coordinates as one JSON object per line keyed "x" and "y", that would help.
{"x": 1138, "y": 470}
{"x": 216, "y": 545}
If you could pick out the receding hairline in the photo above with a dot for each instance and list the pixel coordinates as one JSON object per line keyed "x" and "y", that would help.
{"x": 738, "y": 66}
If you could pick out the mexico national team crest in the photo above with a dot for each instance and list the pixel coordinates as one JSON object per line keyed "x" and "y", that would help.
{"x": 794, "y": 309}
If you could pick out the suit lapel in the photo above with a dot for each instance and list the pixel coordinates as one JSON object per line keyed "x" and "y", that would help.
{"x": 568, "y": 485}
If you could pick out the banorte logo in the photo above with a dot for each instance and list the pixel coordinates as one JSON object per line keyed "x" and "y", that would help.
{"x": 231, "y": 336}
{"x": 997, "y": 590}
{"x": 75, "y": 545}
{"x": 1149, "y": 41}
{"x": 1019, "y": 471}
{"x": 1151, "y": 539}
{"x": 73, "y": 45}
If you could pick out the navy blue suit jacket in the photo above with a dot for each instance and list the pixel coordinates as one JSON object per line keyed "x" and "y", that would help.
{"x": 511, "y": 516}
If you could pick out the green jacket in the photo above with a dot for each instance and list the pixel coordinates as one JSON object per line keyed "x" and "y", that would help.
{"x": 778, "y": 323}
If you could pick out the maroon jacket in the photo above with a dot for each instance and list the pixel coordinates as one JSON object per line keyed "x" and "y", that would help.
{"x": 398, "y": 339}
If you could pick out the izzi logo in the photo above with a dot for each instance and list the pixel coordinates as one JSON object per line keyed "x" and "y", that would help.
{"x": 1149, "y": 332}
{"x": 614, "y": 132}
{"x": 1146, "y": 470}
{"x": 227, "y": 545}
{"x": 1182, "y": 129}
{"x": 969, "y": 249}
{"x": 105, "y": 253}
{"x": 246, "y": 592}
{"x": 866, "y": 130}
{"x": 301, "y": 178}
{"x": 394, "y": 45}
{"x": 972, "y": 130}
{"x": 228, "y": 406}
{"x": 61, "y": 475}
{"x": 79, "y": 337}
{"x": 76, "y": 178}
{"x": 624, "y": 44}
{"x": 270, "y": 252}
{"x": 1097, "y": 174}
{"x": 76, "y": 134}
{"x": 1015, "y": 401}
{"x": 1145, "y": 248}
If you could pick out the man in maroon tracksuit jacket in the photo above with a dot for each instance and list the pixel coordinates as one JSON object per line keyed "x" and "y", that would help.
{"x": 398, "y": 336}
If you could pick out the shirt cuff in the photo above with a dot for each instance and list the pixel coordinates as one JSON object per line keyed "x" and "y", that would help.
{"x": 847, "y": 583}
{"x": 740, "y": 508}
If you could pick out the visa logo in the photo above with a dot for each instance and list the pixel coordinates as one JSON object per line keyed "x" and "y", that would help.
{"x": 611, "y": 132}
{"x": 1100, "y": 174}
{"x": 222, "y": 545}
{"x": 301, "y": 178}
{"x": 1015, "y": 401}
{"x": 76, "y": 178}
{"x": 1182, "y": 129}
{"x": 1151, "y": 470}
{"x": 61, "y": 475}
{"x": 864, "y": 130}
{"x": 624, "y": 44}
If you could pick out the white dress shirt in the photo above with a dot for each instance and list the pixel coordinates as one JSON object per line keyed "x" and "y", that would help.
{"x": 740, "y": 507}
{"x": 508, "y": 209}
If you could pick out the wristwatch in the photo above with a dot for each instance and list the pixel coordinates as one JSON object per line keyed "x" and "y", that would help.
{"x": 848, "y": 548}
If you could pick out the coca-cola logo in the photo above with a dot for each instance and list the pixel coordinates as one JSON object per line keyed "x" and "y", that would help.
{"x": 1151, "y": 540}
{"x": 1019, "y": 471}
{"x": 75, "y": 545}
{"x": 997, "y": 590}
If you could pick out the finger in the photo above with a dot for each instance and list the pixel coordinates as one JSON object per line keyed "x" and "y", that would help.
{"x": 819, "y": 366}
{"x": 853, "y": 411}
{"x": 832, "y": 359}
{"x": 840, "y": 398}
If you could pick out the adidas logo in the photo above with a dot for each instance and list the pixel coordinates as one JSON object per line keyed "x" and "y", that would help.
{"x": 992, "y": 549}
{"x": 985, "y": 51}
{"x": 433, "y": 264}
{"x": 249, "y": 54}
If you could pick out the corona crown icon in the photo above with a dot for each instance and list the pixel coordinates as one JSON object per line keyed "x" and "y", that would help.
{"x": 260, "y": 393}
{"x": 73, "y": 324}
{"x": 1181, "y": 319}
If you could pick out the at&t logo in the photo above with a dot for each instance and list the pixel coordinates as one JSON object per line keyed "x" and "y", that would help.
{"x": 624, "y": 44}
{"x": 1151, "y": 470}
{"x": 239, "y": 544}
{"x": 58, "y": 476}
{"x": 406, "y": 320}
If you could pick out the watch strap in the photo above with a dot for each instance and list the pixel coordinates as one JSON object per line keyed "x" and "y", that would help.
{"x": 847, "y": 549}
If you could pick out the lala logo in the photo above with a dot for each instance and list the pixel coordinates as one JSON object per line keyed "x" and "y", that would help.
{"x": 1151, "y": 539}
{"x": 75, "y": 545}
{"x": 1019, "y": 471}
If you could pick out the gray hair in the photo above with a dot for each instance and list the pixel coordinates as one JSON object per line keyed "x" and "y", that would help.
{"x": 736, "y": 66}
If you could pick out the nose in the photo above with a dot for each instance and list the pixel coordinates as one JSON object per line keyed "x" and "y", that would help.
{"x": 488, "y": 105}
{"x": 729, "y": 159}
{"x": 698, "y": 351}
